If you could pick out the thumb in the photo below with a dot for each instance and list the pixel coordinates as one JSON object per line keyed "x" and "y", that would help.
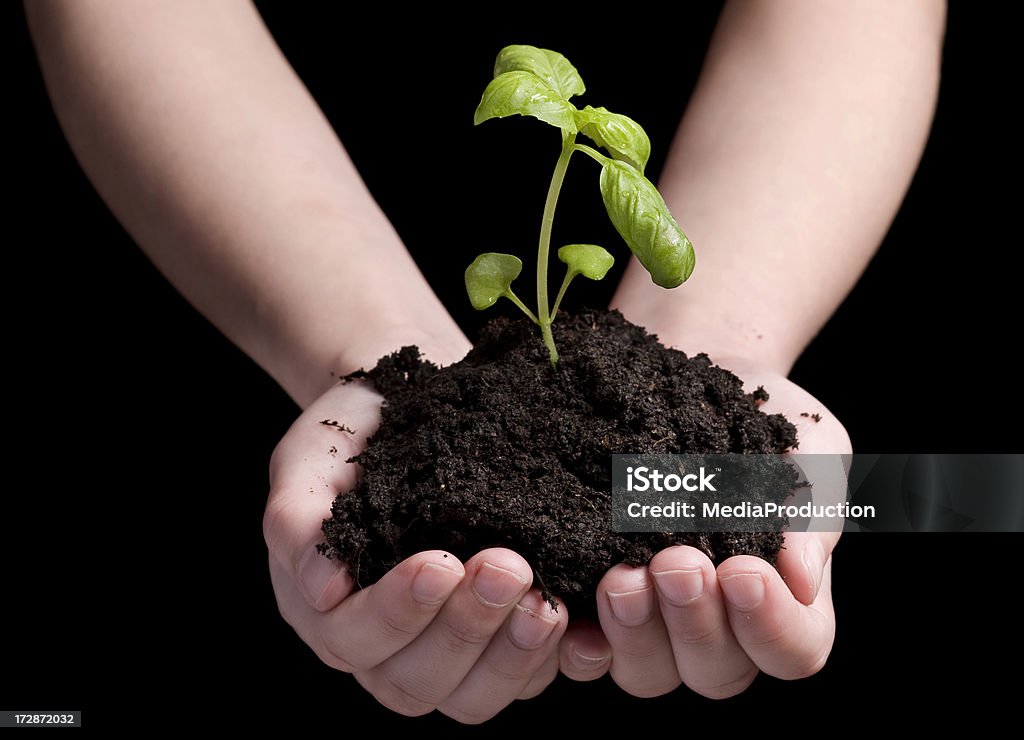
{"x": 802, "y": 562}
{"x": 308, "y": 470}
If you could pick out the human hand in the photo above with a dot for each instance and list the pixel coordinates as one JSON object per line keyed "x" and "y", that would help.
{"x": 433, "y": 633}
{"x": 681, "y": 620}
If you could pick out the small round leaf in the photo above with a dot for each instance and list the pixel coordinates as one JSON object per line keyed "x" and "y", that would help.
{"x": 489, "y": 278}
{"x": 588, "y": 260}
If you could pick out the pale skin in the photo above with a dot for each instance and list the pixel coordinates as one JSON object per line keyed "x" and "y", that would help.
{"x": 792, "y": 158}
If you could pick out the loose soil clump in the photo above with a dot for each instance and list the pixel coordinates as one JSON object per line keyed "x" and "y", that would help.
{"x": 500, "y": 449}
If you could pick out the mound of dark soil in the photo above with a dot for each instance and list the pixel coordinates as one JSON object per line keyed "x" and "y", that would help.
{"x": 502, "y": 450}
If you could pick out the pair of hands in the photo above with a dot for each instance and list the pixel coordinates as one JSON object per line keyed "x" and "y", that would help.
{"x": 470, "y": 638}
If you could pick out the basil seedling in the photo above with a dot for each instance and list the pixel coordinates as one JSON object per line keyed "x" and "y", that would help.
{"x": 538, "y": 82}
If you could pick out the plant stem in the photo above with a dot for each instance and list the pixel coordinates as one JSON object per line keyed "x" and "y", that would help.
{"x": 592, "y": 153}
{"x": 522, "y": 306}
{"x": 544, "y": 247}
{"x": 561, "y": 292}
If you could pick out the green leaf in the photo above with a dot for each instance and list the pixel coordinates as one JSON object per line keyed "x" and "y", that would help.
{"x": 641, "y": 217}
{"x": 549, "y": 65}
{"x": 525, "y": 94}
{"x": 490, "y": 277}
{"x": 623, "y": 137}
{"x": 588, "y": 260}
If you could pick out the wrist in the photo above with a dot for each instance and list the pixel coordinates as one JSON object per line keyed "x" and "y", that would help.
{"x": 439, "y": 341}
{"x": 700, "y": 321}
{"x": 727, "y": 342}
{"x": 306, "y": 372}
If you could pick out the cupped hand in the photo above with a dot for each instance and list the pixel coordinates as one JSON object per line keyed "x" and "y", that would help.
{"x": 433, "y": 633}
{"x": 681, "y": 620}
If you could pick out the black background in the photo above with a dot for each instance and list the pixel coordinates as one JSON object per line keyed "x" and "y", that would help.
{"x": 133, "y": 573}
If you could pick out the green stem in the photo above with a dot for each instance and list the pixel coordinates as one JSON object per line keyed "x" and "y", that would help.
{"x": 522, "y": 306}
{"x": 544, "y": 247}
{"x": 569, "y": 275}
{"x": 592, "y": 153}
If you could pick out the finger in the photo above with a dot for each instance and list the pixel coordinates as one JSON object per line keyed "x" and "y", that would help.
{"x": 420, "y": 677}
{"x": 783, "y": 637}
{"x": 642, "y": 661}
{"x": 295, "y": 607}
{"x": 516, "y": 653}
{"x": 373, "y": 624}
{"x": 823, "y": 459}
{"x": 802, "y": 562}
{"x": 584, "y": 653}
{"x": 308, "y": 469}
{"x": 708, "y": 657}
{"x": 547, "y": 673}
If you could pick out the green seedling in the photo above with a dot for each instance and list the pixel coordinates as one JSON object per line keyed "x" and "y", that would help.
{"x": 537, "y": 82}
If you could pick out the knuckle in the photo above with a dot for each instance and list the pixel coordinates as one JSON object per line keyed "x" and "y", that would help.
{"x": 461, "y": 637}
{"x": 503, "y": 670}
{"x": 728, "y": 689}
{"x": 647, "y": 687}
{"x": 808, "y": 665}
{"x": 329, "y": 655}
{"x": 540, "y": 681}
{"x": 333, "y": 661}
{"x": 766, "y": 638}
{"x": 466, "y": 716}
{"x": 397, "y": 627}
{"x": 639, "y": 652}
{"x": 396, "y": 696}
{"x": 697, "y": 636}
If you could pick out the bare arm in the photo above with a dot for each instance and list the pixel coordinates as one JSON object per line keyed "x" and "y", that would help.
{"x": 791, "y": 161}
{"x": 207, "y": 147}
{"x": 794, "y": 154}
{"x": 209, "y": 150}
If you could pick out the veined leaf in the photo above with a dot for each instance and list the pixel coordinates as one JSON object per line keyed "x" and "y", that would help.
{"x": 641, "y": 217}
{"x": 623, "y": 137}
{"x": 525, "y": 94}
{"x": 550, "y": 66}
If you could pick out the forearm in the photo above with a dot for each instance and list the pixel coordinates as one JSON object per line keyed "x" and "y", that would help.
{"x": 792, "y": 159}
{"x": 211, "y": 153}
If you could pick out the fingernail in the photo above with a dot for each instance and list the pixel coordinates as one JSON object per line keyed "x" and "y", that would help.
{"x": 743, "y": 590}
{"x": 315, "y": 572}
{"x": 632, "y": 608}
{"x": 587, "y": 661}
{"x": 434, "y": 583}
{"x": 814, "y": 562}
{"x": 527, "y": 629}
{"x": 679, "y": 587}
{"x": 496, "y": 586}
